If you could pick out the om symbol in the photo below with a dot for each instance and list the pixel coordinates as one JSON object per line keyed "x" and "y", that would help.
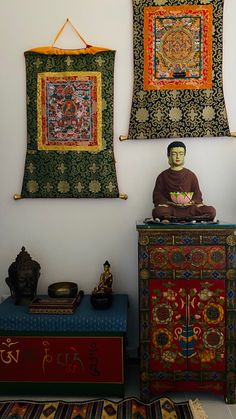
{"x": 7, "y": 355}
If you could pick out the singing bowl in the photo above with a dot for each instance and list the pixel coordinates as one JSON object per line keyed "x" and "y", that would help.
{"x": 63, "y": 289}
{"x": 182, "y": 198}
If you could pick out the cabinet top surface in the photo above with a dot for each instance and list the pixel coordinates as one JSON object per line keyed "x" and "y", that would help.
{"x": 141, "y": 225}
{"x": 85, "y": 317}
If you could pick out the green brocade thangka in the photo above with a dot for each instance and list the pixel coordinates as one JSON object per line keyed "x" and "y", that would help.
{"x": 178, "y": 90}
{"x": 69, "y": 124}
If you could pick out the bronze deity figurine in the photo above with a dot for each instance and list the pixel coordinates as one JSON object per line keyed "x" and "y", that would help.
{"x": 105, "y": 282}
{"x": 23, "y": 275}
{"x": 101, "y": 297}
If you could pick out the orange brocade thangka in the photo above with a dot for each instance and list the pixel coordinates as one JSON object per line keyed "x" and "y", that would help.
{"x": 178, "y": 47}
{"x": 178, "y": 84}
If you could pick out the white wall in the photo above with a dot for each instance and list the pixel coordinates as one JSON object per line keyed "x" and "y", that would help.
{"x": 71, "y": 238}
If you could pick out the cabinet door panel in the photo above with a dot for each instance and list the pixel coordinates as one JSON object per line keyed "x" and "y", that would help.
{"x": 187, "y": 325}
{"x": 206, "y": 325}
{"x": 168, "y": 311}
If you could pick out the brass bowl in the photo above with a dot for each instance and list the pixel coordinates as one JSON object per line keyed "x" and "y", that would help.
{"x": 63, "y": 289}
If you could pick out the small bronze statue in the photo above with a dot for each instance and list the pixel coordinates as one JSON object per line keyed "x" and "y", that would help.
{"x": 102, "y": 294}
{"x": 23, "y": 275}
{"x": 105, "y": 282}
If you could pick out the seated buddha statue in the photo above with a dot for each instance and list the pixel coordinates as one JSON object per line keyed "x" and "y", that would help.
{"x": 179, "y": 181}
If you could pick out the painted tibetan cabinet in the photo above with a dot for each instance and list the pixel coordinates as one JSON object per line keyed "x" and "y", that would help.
{"x": 187, "y": 306}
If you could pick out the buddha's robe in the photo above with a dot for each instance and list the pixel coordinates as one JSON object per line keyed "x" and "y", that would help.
{"x": 183, "y": 180}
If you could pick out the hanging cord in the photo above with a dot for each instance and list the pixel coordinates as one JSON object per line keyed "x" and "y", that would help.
{"x": 77, "y": 33}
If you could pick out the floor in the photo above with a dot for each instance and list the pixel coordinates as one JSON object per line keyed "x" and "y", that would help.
{"x": 214, "y": 406}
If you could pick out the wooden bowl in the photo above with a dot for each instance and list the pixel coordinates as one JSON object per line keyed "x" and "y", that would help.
{"x": 63, "y": 289}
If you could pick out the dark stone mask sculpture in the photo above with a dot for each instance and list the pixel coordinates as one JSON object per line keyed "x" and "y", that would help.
{"x": 23, "y": 275}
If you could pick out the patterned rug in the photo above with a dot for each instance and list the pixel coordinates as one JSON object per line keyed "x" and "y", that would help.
{"x": 163, "y": 408}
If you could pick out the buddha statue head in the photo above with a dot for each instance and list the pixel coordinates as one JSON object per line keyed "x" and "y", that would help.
{"x": 23, "y": 275}
{"x": 176, "y": 152}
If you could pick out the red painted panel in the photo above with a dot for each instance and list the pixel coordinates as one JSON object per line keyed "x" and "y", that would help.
{"x": 61, "y": 359}
{"x": 206, "y": 325}
{"x": 187, "y": 257}
{"x": 160, "y": 387}
{"x": 187, "y": 325}
{"x": 168, "y": 312}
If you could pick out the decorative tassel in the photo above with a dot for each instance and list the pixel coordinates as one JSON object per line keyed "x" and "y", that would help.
{"x": 197, "y": 410}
